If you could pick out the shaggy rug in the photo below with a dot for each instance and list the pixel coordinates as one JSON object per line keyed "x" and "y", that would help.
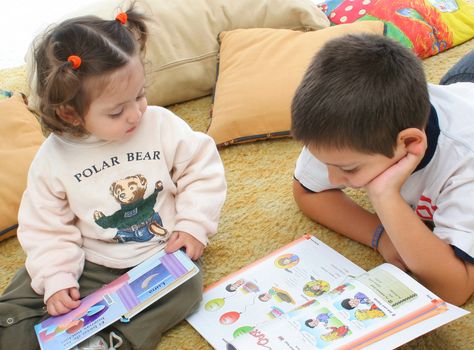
{"x": 260, "y": 215}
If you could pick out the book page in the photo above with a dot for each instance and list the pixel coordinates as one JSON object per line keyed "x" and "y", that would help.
{"x": 291, "y": 276}
{"x": 127, "y": 295}
{"x": 375, "y": 305}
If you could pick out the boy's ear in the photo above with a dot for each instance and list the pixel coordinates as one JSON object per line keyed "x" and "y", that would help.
{"x": 413, "y": 140}
{"x": 69, "y": 115}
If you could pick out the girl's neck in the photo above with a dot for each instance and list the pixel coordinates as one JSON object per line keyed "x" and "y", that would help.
{"x": 83, "y": 140}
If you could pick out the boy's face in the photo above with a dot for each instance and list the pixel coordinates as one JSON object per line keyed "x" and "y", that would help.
{"x": 351, "y": 168}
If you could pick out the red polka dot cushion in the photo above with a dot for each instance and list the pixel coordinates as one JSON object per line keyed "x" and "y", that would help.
{"x": 426, "y": 26}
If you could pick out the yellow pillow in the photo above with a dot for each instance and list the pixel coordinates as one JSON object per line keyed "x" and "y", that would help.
{"x": 20, "y": 135}
{"x": 259, "y": 70}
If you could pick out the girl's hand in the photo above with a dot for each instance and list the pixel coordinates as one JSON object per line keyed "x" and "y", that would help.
{"x": 63, "y": 301}
{"x": 179, "y": 239}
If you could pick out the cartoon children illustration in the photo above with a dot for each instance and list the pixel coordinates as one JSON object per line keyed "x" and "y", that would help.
{"x": 340, "y": 289}
{"x": 232, "y": 287}
{"x": 335, "y": 333}
{"x": 368, "y": 314}
{"x": 245, "y": 286}
{"x": 287, "y": 261}
{"x": 321, "y": 318}
{"x": 359, "y": 298}
{"x": 316, "y": 287}
{"x": 278, "y": 294}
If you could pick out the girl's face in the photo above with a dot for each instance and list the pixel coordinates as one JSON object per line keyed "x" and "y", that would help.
{"x": 117, "y": 110}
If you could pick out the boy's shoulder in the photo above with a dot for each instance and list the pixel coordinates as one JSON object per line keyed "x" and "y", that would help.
{"x": 453, "y": 101}
{"x": 454, "y": 105}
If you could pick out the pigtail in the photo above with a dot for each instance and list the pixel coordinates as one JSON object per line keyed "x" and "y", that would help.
{"x": 58, "y": 84}
{"x": 135, "y": 22}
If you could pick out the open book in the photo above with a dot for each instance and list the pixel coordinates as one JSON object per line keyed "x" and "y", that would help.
{"x": 121, "y": 299}
{"x": 308, "y": 296}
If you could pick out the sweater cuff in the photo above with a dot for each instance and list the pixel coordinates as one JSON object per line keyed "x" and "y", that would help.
{"x": 197, "y": 231}
{"x": 57, "y": 282}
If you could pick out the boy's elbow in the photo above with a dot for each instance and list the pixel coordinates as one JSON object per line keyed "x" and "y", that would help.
{"x": 303, "y": 198}
{"x": 462, "y": 293}
{"x": 459, "y": 298}
{"x": 467, "y": 292}
{"x": 311, "y": 204}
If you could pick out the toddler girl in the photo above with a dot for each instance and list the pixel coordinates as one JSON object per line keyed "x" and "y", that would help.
{"x": 115, "y": 182}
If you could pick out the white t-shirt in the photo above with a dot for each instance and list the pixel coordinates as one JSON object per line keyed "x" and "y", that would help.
{"x": 441, "y": 189}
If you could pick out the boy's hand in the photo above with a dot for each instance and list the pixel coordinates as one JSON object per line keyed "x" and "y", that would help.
{"x": 391, "y": 180}
{"x": 410, "y": 149}
{"x": 63, "y": 301}
{"x": 179, "y": 239}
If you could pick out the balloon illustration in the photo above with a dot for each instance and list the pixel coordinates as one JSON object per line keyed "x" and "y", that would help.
{"x": 241, "y": 330}
{"x": 229, "y": 317}
{"x": 214, "y": 304}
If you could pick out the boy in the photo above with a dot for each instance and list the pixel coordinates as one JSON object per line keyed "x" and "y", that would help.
{"x": 369, "y": 120}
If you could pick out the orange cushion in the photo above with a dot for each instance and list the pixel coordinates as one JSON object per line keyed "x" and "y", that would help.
{"x": 20, "y": 135}
{"x": 258, "y": 73}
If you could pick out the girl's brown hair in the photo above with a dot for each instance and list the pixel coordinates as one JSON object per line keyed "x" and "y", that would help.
{"x": 102, "y": 45}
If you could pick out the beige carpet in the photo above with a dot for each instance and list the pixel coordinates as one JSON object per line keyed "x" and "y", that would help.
{"x": 260, "y": 216}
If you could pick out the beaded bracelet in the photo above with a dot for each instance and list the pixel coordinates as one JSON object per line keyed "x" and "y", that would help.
{"x": 376, "y": 237}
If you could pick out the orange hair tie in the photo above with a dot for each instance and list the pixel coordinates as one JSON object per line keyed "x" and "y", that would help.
{"x": 75, "y": 60}
{"x": 122, "y": 17}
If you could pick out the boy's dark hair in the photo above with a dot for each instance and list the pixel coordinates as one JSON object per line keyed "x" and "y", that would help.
{"x": 359, "y": 92}
{"x": 102, "y": 45}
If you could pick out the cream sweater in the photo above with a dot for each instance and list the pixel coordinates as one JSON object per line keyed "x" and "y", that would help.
{"x": 116, "y": 203}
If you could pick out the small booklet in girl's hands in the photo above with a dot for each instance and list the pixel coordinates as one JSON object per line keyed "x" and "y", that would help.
{"x": 122, "y": 299}
{"x": 308, "y": 296}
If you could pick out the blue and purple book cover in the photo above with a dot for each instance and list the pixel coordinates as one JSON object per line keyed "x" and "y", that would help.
{"x": 121, "y": 299}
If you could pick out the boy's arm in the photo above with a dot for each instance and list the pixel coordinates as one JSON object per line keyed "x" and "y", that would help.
{"x": 428, "y": 257}
{"x": 335, "y": 210}
{"x": 431, "y": 259}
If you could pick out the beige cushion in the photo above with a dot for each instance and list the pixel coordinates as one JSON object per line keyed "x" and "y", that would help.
{"x": 259, "y": 71}
{"x": 182, "y": 46}
{"x": 21, "y": 136}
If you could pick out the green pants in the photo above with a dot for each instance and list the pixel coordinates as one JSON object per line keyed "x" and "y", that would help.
{"x": 21, "y": 308}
